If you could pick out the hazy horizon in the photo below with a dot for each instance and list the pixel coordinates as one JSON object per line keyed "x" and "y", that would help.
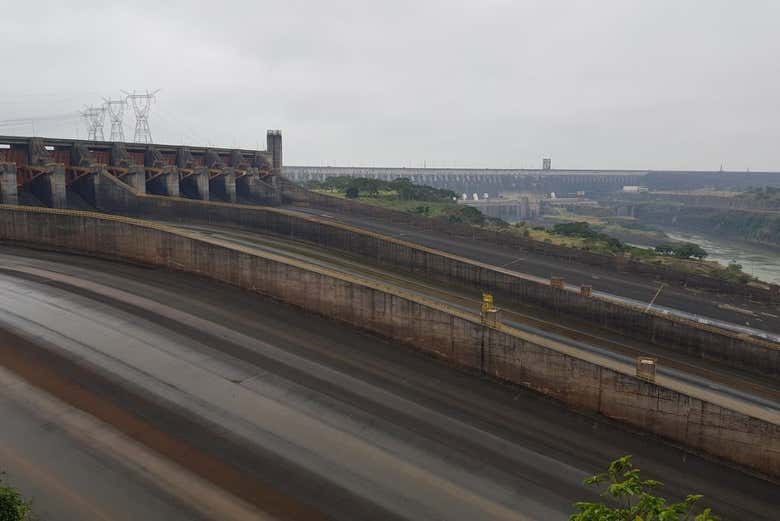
{"x": 499, "y": 84}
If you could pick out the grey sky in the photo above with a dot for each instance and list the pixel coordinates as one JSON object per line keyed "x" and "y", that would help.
{"x": 613, "y": 84}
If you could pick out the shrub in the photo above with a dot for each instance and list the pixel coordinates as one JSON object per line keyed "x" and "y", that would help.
{"x": 13, "y": 507}
{"x": 684, "y": 250}
{"x": 584, "y": 231}
{"x": 635, "y": 499}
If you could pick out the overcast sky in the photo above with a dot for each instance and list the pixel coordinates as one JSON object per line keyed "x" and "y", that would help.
{"x": 610, "y": 84}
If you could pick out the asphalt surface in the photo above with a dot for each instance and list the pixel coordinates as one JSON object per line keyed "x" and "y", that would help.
{"x": 304, "y": 418}
{"x": 631, "y": 287}
{"x": 73, "y": 467}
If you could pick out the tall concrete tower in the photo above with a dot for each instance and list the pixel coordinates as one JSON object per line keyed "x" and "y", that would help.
{"x": 274, "y": 146}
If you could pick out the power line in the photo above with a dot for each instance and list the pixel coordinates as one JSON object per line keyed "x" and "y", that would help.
{"x": 58, "y": 117}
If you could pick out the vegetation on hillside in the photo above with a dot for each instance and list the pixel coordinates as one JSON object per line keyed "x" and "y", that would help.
{"x": 402, "y": 189}
{"x": 633, "y": 499}
{"x": 682, "y": 250}
{"x": 13, "y": 507}
{"x": 583, "y": 230}
{"x": 626, "y": 229}
{"x": 403, "y": 195}
{"x": 684, "y": 257}
{"x": 768, "y": 194}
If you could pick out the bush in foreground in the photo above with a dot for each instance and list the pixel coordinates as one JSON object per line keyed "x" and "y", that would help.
{"x": 13, "y": 507}
{"x": 634, "y": 499}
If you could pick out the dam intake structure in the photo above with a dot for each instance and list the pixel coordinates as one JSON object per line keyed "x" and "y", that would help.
{"x": 62, "y": 173}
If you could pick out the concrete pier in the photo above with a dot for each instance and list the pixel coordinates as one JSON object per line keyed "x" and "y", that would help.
{"x": 164, "y": 182}
{"x": 49, "y": 186}
{"x": 223, "y": 185}
{"x": 8, "y": 190}
{"x": 253, "y": 188}
{"x": 135, "y": 177}
{"x": 195, "y": 185}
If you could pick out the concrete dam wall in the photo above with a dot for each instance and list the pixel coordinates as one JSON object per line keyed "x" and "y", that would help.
{"x": 454, "y": 335}
{"x": 694, "y": 339}
{"x": 541, "y": 180}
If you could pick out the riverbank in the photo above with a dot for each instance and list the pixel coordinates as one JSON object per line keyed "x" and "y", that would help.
{"x": 759, "y": 261}
{"x": 758, "y": 226}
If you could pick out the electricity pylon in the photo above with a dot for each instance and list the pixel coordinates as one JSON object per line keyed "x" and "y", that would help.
{"x": 95, "y": 118}
{"x": 142, "y": 105}
{"x": 116, "y": 113}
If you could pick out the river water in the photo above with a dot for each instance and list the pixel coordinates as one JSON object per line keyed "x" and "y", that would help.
{"x": 762, "y": 263}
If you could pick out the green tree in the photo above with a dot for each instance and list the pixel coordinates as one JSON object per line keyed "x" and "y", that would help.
{"x": 465, "y": 214}
{"x": 352, "y": 192}
{"x": 665, "y": 249}
{"x": 688, "y": 249}
{"x": 685, "y": 250}
{"x": 575, "y": 229}
{"x": 13, "y": 507}
{"x": 583, "y": 230}
{"x": 634, "y": 499}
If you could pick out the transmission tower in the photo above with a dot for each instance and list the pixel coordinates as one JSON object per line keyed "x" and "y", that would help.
{"x": 116, "y": 113}
{"x": 95, "y": 118}
{"x": 142, "y": 105}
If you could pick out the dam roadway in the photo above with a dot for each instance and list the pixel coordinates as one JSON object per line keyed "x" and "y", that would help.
{"x": 297, "y": 416}
{"x": 626, "y": 287}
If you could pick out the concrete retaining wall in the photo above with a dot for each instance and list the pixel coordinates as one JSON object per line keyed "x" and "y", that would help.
{"x": 454, "y": 335}
{"x": 687, "y": 336}
{"x": 763, "y": 293}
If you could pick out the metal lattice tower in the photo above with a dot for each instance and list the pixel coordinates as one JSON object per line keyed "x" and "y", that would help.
{"x": 116, "y": 113}
{"x": 142, "y": 105}
{"x": 95, "y": 117}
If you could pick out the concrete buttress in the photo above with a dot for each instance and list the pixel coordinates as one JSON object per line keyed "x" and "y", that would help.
{"x": 8, "y": 190}
{"x": 49, "y": 186}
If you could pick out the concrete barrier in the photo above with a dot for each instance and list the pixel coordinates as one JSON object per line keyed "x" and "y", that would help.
{"x": 668, "y": 410}
{"x": 694, "y": 339}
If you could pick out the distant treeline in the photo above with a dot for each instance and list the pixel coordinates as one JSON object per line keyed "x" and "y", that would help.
{"x": 405, "y": 190}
